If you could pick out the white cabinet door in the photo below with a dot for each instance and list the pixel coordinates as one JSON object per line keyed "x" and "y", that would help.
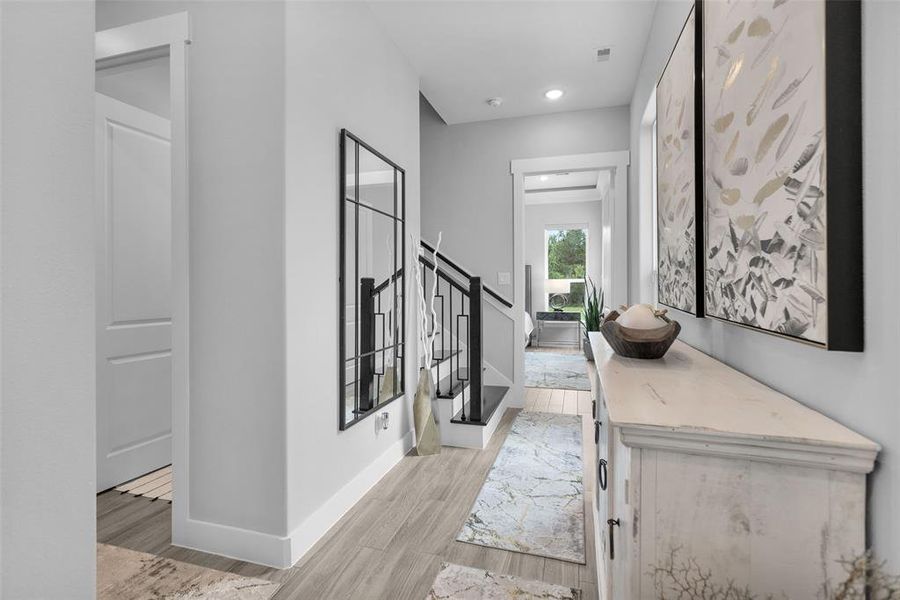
{"x": 603, "y": 503}
{"x": 623, "y": 499}
{"x": 134, "y": 290}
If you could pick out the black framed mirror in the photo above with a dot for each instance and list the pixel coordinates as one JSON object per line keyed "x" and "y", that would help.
{"x": 372, "y": 303}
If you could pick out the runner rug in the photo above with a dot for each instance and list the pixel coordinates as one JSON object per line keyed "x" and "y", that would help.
{"x": 533, "y": 499}
{"x": 456, "y": 582}
{"x": 556, "y": 371}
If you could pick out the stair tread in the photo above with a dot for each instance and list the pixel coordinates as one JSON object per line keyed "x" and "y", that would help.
{"x": 491, "y": 399}
{"x": 451, "y": 385}
{"x": 441, "y": 355}
{"x": 460, "y": 380}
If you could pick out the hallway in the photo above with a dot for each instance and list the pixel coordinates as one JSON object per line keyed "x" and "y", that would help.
{"x": 392, "y": 543}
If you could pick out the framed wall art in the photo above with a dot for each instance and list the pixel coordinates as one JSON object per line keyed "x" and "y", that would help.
{"x": 782, "y": 168}
{"x": 679, "y": 208}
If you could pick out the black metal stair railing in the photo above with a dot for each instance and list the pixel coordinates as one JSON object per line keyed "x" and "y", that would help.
{"x": 458, "y": 349}
{"x": 458, "y": 306}
{"x": 464, "y": 274}
{"x": 370, "y": 344}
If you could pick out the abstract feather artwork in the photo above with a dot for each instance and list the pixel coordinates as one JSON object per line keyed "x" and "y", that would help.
{"x": 773, "y": 258}
{"x": 677, "y": 194}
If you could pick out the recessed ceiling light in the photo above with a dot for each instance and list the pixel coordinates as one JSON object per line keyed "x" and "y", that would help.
{"x": 553, "y": 94}
{"x": 544, "y": 177}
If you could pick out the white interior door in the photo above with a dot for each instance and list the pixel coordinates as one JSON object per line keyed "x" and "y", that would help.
{"x": 134, "y": 292}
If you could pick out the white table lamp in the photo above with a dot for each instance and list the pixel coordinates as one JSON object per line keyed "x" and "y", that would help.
{"x": 559, "y": 290}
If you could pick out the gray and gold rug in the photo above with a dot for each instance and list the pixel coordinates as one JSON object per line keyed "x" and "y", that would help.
{"x": 456, "y": 582}
{"x": 557, "y": 371}
{"x": 533, "y": 498}
{"x": 123, "y": 573}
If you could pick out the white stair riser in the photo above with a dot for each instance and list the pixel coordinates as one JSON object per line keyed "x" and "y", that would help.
{"x": 466, "y": 436}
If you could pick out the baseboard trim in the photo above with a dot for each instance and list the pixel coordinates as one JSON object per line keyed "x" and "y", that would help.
{"x": 233, "y": 542}
{"x": 316, "y": 525}
{"x": 281, "y": 552}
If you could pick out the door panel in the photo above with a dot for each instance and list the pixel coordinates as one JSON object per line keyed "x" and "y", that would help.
{"x": 134, "y": 289}
{"x": 137, "y": 384}
{"x": 139, "y": 219}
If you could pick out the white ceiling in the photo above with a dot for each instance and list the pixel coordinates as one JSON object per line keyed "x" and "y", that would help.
{"x": 566, "y": 180}
{"x": 566, "y": 187}
{"x": 466, "y": 52}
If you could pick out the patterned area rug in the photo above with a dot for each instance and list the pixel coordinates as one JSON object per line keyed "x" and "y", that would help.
{"x": 123, "y": 573}
{"x": 557, "y": 371}
{"x": 456, "y": 582}
{"x": 533, "y": 498}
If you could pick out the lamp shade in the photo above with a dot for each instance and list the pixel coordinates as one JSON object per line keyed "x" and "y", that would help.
{"x": 557, "y": 286}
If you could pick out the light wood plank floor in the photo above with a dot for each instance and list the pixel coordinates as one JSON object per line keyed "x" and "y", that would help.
{"x": 154, "y": 485}
{"x": 391, "y": 544}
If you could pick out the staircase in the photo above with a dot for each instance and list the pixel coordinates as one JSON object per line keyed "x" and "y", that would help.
{"x": 468, "y": 406}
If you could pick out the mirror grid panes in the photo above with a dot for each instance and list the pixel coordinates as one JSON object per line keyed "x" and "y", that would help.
{"x": 373, "y": 252}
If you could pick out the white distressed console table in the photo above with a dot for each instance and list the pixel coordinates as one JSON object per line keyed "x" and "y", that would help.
{"x": 700, "y": 459}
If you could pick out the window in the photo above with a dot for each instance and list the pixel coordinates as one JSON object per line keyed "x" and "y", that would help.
{"x": 566, "y": 252}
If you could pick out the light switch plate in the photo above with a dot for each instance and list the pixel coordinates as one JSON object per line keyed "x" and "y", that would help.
{"x": 503, "y": 278}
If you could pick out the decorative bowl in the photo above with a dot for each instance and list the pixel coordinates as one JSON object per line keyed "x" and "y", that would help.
{"x": 639, "y": 343}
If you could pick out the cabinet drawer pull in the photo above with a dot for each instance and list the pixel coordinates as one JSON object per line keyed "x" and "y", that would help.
{"x": 612, "y": 545}
{"x": 602, "y": 475}
{"x": 597, "y": 432}
{"x": 593, "y": 409}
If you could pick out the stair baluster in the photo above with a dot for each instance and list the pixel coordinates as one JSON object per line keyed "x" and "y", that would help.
{"x": 475, "y": 332}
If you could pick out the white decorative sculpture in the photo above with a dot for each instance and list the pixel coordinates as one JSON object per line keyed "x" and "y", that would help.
{"x": 428, "y": 438}
{"x": 641, "y": 316}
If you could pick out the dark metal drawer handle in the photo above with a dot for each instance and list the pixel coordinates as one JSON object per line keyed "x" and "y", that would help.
{"x": 612, "y": 545}
{"x": 597, "y": 432}
{"x": 601, "y": 474}
{"x": 593, "y": 409}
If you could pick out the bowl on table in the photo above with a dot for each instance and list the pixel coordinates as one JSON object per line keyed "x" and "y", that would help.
{"x": 640, "y": 332}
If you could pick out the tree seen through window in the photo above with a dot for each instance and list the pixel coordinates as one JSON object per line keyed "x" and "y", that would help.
{"x": 566, "y": 253}
{"x": 567, "y": 259}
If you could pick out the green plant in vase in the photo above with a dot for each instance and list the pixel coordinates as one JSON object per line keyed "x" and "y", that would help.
{"x": 593, "y": 314}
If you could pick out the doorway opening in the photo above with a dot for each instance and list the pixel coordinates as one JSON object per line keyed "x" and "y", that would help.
{"x": 570, "y": 221}
{"x": 141, "y": 229}
{"x": 133, "y": 274}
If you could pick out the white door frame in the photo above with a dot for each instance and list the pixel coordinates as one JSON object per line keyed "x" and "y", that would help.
{"x": 614, "y": 278}
{"x": 124, "y": 44}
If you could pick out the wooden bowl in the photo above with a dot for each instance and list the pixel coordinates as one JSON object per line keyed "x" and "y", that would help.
{"x": 639, "y": 343}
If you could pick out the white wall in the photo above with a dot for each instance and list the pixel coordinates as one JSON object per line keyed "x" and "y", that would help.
{"x": 537, "y": 218}
{"x": 467, "y": 191}
{"x": 859, "y": 390}
{"x": 237, "y": 454}
{"x": 363, "y": 83}
{"x": 266, "y": 106}
{"x": 144, "y": 84}
{"x": 465, "y": 172}
{"x": 47, "y": 472}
